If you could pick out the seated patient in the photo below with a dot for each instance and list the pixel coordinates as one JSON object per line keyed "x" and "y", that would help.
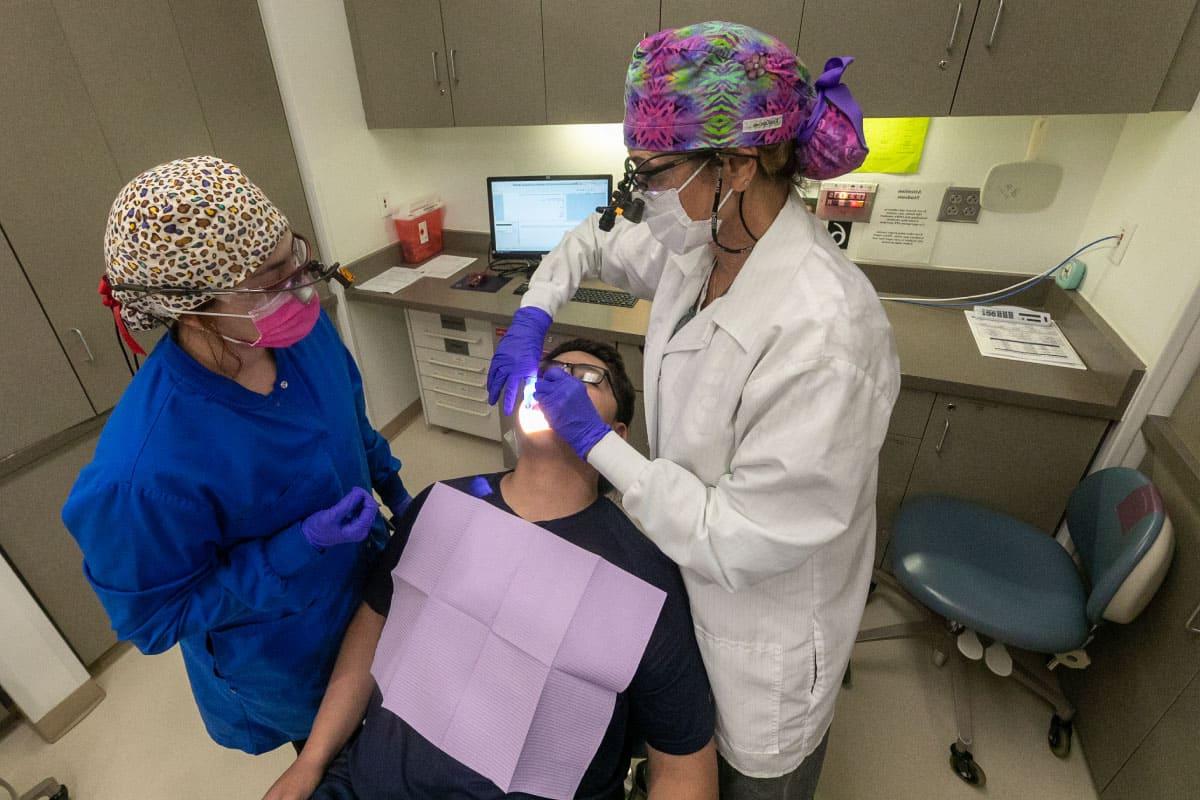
{"x": 667, "y": 705}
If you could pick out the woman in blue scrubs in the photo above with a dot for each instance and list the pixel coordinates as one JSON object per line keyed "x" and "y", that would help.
{"x": 228, "y": 507}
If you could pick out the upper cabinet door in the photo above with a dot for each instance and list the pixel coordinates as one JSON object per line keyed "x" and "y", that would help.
{"x": 588, "y": 47}
{"x": 39, "y": 393}
{"x": 230, "y": 61}
{"x": 496, "y": 67}
{"x": 131, "y": 61}
{"x": 907, "y": 53}
{"x": 780, "y": 18}
{"x": 57, "y": 183}
{"x": 403, "y": 69}
{"x": 1069, "y": 56}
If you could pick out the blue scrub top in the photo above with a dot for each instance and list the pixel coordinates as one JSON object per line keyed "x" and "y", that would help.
{"x": 189, "y": 521}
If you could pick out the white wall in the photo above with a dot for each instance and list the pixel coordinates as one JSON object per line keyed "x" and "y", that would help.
{"x": 345, "y": 164}
{"x": 1153, "y": 180}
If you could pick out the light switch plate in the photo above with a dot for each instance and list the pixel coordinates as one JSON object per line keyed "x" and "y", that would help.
{"x": 960, "y": 204}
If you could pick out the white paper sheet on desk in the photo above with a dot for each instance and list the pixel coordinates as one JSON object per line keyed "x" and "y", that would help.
{"x": 393, "y": 280}
{"x": 1022, "y": 341}
{"x": 445, "y": 266}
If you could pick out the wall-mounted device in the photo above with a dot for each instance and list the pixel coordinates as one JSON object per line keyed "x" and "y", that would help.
{"x": 1071, "y": 275}
{"x": 846, "y": 201}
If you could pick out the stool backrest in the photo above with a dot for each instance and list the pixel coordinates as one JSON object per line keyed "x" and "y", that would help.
{"x": 1120, "y": 528}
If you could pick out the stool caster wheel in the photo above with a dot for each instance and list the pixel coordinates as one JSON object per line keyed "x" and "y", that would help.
{"x": 61, "y": 794}
{"x": 939, "y": 658}
{"x": 1059, "y": 737}
{"x": 964, "y": 766}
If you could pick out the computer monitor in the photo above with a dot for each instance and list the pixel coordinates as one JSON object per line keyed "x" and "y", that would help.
{"x": 529, "y": 215}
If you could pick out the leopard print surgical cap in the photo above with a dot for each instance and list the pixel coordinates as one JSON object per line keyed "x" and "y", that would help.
{"x": 195, "y": 223}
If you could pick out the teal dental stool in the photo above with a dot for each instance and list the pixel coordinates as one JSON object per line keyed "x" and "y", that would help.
{"x": 980, "y": 573}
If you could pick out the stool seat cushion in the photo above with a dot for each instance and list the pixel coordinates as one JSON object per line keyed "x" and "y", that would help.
{"x": 994, "y": 574}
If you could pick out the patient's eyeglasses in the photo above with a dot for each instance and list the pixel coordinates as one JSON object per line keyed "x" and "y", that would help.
{"x": 587, "y": 373}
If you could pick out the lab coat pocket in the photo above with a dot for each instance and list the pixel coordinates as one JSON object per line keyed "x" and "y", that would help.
{"x": 747, "y": 684}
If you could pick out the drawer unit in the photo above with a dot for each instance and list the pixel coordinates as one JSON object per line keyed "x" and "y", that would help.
{"x": 451, "y": 334}
{"x": 450, "y": 410}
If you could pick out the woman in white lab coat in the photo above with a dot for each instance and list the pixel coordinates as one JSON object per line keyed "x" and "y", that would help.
{"x": 770, "y": 375}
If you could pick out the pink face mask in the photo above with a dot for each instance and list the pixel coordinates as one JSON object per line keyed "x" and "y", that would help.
{"x": 281, "y": 320}
{"x": 284, "y": 320}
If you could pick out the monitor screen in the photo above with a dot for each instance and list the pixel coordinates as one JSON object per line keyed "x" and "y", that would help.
{"x": 530, "y": 215}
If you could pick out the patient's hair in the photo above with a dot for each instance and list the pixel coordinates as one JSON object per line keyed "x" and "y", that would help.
{"x": 622, "y": 387}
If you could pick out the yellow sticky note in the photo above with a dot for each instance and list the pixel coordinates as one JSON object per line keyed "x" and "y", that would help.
{"x": 896, "y": 144}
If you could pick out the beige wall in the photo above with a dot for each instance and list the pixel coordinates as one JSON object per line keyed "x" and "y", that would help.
{"x": 1152, "y": 180}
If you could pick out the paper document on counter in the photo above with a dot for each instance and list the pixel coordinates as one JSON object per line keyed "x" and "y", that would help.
{"x": 445, "y": 266}
{"x": 1024, "y": 341}
{"x": 393, "y": 280}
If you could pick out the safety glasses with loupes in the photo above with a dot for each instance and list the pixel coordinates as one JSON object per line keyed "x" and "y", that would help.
{"x": 301, "y": 281}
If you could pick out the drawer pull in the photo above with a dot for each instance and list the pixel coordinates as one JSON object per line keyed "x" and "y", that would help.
{"x": 456, "y": 394}
{"x": 460, "y": 381}
{"x": 954, "y": 31}
{"x": 452, "y": 336}
{"x": 83, "y": 341}
{"x": 995, "y": 26}
{"x": 436, "y": 363}
{"x": 462, "y": 410}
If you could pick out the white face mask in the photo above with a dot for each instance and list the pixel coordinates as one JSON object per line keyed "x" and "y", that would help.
{"x": 670, "y": 223}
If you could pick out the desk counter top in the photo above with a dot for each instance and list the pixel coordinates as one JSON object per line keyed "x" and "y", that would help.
{"x": 937, "y": 351}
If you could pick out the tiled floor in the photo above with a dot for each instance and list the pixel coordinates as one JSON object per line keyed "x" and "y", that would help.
{"x": 889, "y": 740}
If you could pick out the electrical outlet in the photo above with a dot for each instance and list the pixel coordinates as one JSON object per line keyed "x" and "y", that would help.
{"x": 1126, "y": 233}
{"x": 960, "y": 204}
{"x": 384, "y": 203}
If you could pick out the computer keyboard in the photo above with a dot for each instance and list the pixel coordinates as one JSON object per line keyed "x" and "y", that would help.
{"x": 599, "y": 297}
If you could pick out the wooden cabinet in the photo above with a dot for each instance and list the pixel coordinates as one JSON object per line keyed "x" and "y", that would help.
{"x": 587, "y": 49}
{"x": 1165, "y": 765}
{"x": 230, "y": 63}
{"x": 780, "y": 18}
{"x": 33, "y": 538}
{"x": 33, "y": 409}
{"x": 1021, "y": 461}
{"x": 1069, "y": 56}
{"x": 460, "y": 62}
{"x": 907, "y": 53}
{"x": 496, "y": 69}
{"x": 133, "y": 66}
{"x": 423, "y": 63}
{"x": 403, "y": 67}
{"x": 59, "y": 180}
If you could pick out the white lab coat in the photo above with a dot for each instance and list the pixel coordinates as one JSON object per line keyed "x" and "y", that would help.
{"x": 765, "y": 414}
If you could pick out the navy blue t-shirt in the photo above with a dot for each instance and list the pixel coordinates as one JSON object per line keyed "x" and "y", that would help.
{"x": 668, "y": 704}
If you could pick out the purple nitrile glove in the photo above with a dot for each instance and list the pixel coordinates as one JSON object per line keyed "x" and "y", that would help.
{"x": 517, "y": 356}
{"x": 347, "y": 521}
{"x": 564, "y": 401}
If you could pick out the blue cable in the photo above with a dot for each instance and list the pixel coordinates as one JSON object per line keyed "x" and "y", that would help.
{"x": 933, "y": 302}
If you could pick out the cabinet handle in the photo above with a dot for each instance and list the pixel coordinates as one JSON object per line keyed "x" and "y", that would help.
{"x": 996, "y": 25}
{"x": 954, "y": 31}
{"x": 460, "y": 381}
{"x": 448, "y": 393}
{"x": 451, "y": 336}
{"x": 437, "y": 363}
{"x": 463, "y": 410}
{"x": 1191, "y": 623}
{"x": 454, "y": 66}
{"x": 941, "y": 442}
{"x": 91, "y": 358}
{"x": 437, "y": 76}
